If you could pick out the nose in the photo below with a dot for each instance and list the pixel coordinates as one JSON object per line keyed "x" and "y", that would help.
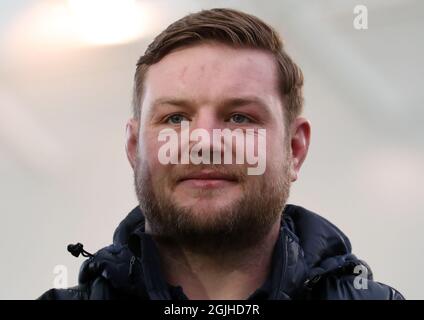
{"x": 201, "y": 130}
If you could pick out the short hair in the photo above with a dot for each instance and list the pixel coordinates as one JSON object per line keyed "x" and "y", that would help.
{"x": 233, "y": 28}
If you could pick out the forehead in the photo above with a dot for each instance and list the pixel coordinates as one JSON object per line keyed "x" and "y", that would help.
{"x": 207, "y": 72}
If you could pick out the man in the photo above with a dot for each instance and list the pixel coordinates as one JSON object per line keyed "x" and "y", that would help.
{"x": 208, "y": 229}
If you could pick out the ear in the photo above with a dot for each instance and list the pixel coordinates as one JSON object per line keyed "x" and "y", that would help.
{"x": 131, "y": 141}
{"x": 300, "y": 137}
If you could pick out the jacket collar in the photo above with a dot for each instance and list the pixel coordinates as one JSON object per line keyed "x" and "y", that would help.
{"x": 287, "y": 275}
{"x": 309, "y": 247}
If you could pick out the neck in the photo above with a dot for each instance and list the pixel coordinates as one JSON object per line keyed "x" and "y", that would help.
{"x": 230, "y": 275}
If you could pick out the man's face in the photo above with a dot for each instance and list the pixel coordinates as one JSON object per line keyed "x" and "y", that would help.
{"x": 212, "y": 86}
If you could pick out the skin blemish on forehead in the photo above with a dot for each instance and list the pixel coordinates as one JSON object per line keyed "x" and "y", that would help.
{"x": 203, "y": 71}
{"x": 183, "y": 72}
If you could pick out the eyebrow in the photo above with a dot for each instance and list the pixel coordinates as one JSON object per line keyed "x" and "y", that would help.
{"x": 172, "y": 101}
{"x": 232, "y": 102}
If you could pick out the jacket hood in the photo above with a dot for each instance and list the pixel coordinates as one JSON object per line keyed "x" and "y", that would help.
{"x": 309, "y": 247}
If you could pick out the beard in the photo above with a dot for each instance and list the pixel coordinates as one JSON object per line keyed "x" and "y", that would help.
{"x": 239, "y": 225}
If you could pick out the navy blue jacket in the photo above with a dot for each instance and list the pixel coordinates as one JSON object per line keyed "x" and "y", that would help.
{"x": 312, "y": 259}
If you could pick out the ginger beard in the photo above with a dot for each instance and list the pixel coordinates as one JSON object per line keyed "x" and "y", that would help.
{"x": 236, "y": 226}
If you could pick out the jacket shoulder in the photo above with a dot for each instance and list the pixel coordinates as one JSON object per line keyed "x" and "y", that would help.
{"x": 98, "y": 289}
{"x": 74, "y": 293}
{"x": 350, "y": 287}
{"x": 99, "y": 277}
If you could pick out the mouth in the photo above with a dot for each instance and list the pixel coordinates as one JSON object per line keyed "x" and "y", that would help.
{"x": 208, "y": 179}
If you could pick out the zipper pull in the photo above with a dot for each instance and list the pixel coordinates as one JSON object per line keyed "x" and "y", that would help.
{"x": 131, "y": 270}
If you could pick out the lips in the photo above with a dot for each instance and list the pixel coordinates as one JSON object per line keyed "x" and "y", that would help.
{"x": 208, "y": 180}
{"x": 208, "y": 175}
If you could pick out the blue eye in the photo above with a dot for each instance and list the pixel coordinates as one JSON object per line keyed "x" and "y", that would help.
{"x": 175, "y": 119}
{"x": 239, "y": 118}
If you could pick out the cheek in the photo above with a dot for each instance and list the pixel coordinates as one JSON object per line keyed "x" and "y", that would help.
{"x": 277, "y": 156}
{"x": 148, "y": 150}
